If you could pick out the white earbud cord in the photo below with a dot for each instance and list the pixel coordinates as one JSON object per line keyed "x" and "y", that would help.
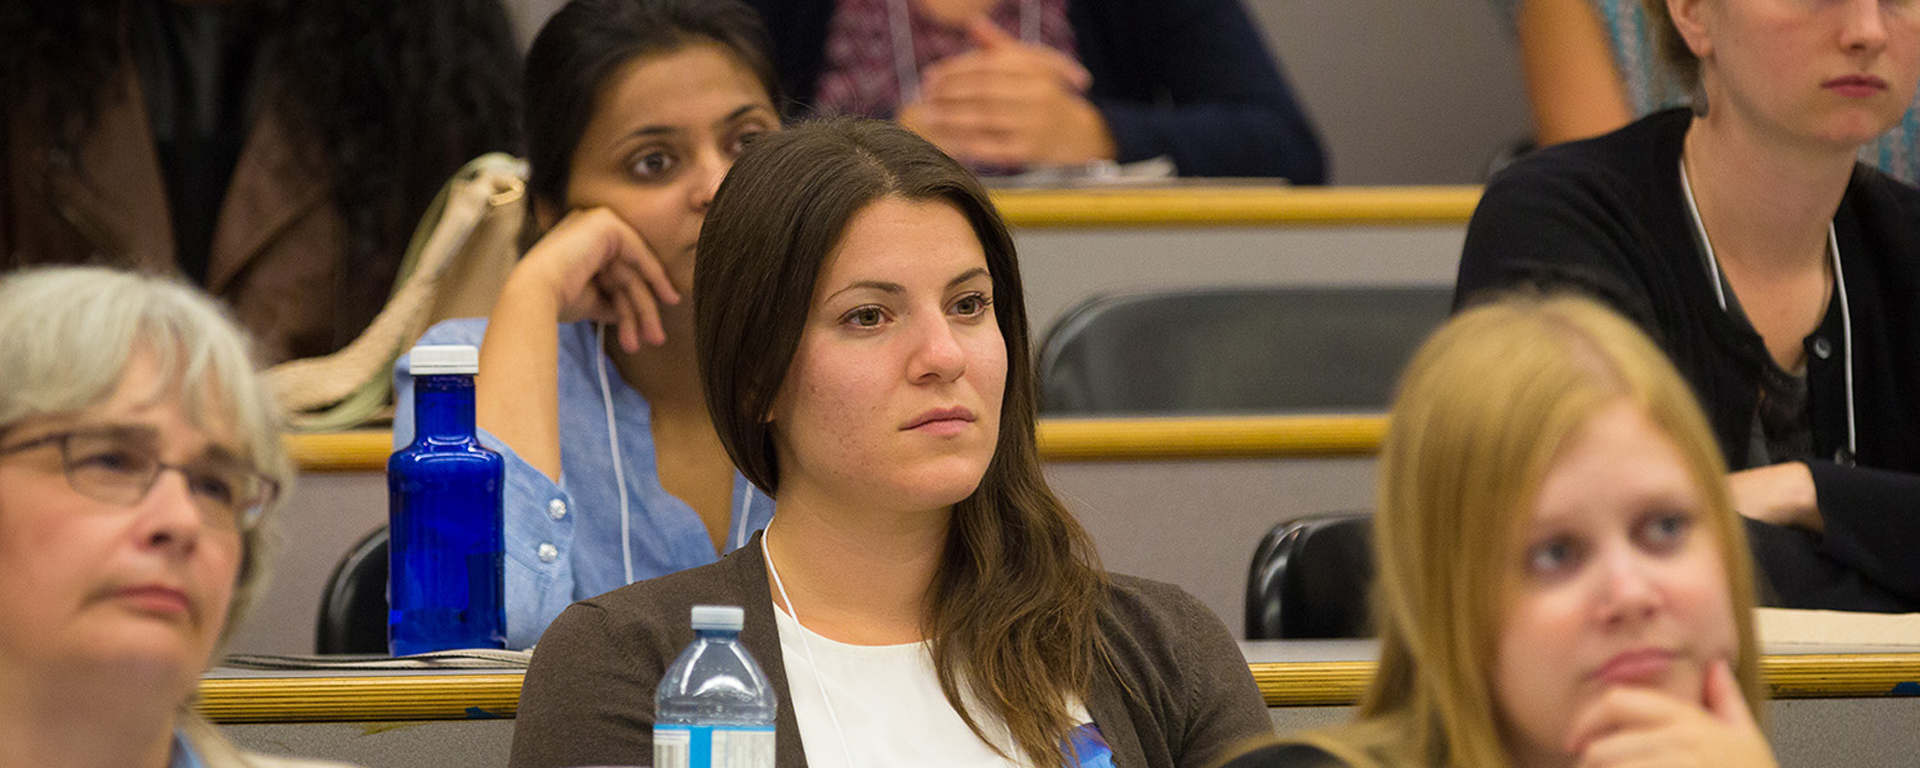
{"x": 818, "y": 678}
{"x": 741, "y": 530}
{"x": 906, "y": 66}
{"x": 740, "y": 520}
{"x": 613, "y": 447}
{"x": 1839, "y": 287}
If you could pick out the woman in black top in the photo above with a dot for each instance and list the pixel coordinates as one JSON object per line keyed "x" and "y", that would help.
{"x": 1774, "y": 270}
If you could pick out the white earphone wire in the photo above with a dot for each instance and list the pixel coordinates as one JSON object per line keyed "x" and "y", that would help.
{"x": 613, "y": 447}
{"x": 906, "y": 66}
{"x": 1839, "y": 287}
{"x": 818, "y": 679}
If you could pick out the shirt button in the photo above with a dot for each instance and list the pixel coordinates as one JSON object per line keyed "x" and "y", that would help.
{"x": 556, "y": 509}
{"x": 548, "y": 553}
{"x": 1822, "y": 348}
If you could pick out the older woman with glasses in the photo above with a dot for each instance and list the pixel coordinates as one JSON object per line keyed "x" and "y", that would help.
{"x": 139, "y": 461}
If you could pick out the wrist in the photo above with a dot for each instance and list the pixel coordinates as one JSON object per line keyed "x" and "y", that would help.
{"x": 1096, "y": 139}
{"x": 526, "y": 295}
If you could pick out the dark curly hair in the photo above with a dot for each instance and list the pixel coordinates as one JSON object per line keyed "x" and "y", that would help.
{"x": 397, "y": 93}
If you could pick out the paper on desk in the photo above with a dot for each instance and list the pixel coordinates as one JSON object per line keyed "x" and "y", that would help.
{"x": 1792, "y": 625}
{"x": 473, "y": 658}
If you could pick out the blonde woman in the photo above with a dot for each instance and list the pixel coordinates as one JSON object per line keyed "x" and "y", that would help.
{"x": 140, "y": 464}
{"x": 1561, "y": 580}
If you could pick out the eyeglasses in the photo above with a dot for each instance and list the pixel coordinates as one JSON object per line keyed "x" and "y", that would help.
{"x": 120, "y": 466}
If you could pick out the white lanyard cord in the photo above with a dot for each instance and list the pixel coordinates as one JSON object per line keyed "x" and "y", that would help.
{"x": 1839, "y": 287}
{"x": 906, "y": 66}
{"x": 613, "y": 447}
{"x": 740, "y": 520}
{"x": 741, "y": 531}
{"x": 819, "y": 678}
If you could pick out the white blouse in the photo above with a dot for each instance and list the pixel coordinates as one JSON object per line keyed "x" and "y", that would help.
{"x": 889, "y": 707}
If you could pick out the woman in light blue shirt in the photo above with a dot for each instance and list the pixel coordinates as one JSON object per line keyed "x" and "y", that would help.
{"x": 587, "y": 384}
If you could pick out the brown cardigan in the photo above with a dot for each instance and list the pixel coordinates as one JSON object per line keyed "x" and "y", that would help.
{"x": 277, "y": 245}
{"x": 588, "y": 696}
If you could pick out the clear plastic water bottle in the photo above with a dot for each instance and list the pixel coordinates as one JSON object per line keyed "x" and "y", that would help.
{"x": 714, "y": 708}
{"x": 447, "y": 550}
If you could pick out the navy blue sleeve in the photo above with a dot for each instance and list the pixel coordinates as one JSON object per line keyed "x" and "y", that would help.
{"x": 1872, "y": 526}
{"x": 1192, "y": 80}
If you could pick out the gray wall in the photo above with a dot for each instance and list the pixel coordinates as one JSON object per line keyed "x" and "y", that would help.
{"x": 1404, "y": 91}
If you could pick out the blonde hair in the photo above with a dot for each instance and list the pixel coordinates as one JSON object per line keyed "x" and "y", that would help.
{"x": 67, "y": 334}
{"x": 1484, "y": 409}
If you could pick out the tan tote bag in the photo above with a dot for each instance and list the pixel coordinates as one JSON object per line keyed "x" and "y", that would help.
{"x": 454, "y": 267}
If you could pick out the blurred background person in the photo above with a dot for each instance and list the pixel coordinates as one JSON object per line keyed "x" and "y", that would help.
{"x": 635, "y": 110}
{"x": 140, "y": 465}
{"x": 1592, "y": 66}
{"x": 1774, "y": 268}
{"x": 1015, "y": 84}
{"x": 277, "y": 153}
{"x": 1561, "y": 580}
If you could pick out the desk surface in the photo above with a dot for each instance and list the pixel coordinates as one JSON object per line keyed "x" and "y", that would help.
{"x": 366, "y": 450}
{"x": 1290, "y": 674}
{"x": 1235, "y": 205}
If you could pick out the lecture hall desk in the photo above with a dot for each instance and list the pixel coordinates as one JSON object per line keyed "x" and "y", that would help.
{"x": 1829, "y": 709}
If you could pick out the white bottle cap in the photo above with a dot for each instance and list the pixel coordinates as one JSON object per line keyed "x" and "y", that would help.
{"x": 723, "y": 617}
{"x": 441, "y": 359}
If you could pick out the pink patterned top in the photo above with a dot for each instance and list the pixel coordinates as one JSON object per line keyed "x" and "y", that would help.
{"x": 861, "y": 74}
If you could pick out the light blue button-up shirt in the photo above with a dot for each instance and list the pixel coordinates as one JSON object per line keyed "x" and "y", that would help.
{"x": 563, "y": 539}
{"x": 183, "y": 754}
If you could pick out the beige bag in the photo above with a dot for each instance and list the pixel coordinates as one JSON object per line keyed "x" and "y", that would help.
{"x": 454, "y": 267}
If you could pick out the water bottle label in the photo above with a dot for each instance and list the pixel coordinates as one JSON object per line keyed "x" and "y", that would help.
{"x": 706, "y": 746}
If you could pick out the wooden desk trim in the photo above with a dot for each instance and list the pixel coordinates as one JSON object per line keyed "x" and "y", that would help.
{"x": 359, "y": 699}
{"x": 1164, "y": 439}
{"x": 360, "y": 450}
{"x": 1284, "y": 684}
{"x": 1788, "y": 676}
{"x": 1236, "y": 206}
{"x": 1144, "y": 439}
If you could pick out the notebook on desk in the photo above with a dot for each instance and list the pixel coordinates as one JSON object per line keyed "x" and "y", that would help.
{"x": 474, "y": 658}
{"x": 1792, "y": 626}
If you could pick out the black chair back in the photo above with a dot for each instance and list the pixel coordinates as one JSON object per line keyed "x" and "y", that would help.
{"x": 1311, "y": 577}
{"x": 353, "y": 610}
{"x": 1235, "y": 350}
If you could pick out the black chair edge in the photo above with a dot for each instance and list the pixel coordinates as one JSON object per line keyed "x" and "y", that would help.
{"x": 1312, "y": 578}
{"x": 353, "y": 609}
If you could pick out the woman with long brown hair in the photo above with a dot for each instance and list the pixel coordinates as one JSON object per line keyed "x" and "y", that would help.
{"x": 922, "y": 598}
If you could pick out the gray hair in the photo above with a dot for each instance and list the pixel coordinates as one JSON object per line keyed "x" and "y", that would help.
{"x": 67, "y": 334}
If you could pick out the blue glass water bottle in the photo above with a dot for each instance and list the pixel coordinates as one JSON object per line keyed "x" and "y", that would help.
{"x": 444, "y": 511}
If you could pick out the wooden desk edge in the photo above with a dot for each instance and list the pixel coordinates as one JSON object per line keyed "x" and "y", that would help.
{"x": 1284, "y": 684}
{"x": 1141, "y": 439}
{"x": 1226, "y": 205}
